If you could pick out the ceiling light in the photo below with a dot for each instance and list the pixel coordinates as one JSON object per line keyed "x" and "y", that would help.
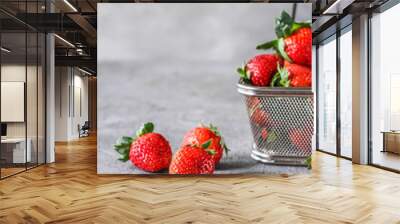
{"x": 70, "y": 5}
{"x": 84, "y": 71}
{"x": 5, "y": 50}
{"x": 65, "y": 41}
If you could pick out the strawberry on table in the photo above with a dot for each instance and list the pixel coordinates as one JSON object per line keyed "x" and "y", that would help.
{"x": 147, "y": 150}
{"x": 294, "y": 41}
{"x": 260, "y": 69}
{"x": 202, "y": 134}
{"x": 192, "y": 159}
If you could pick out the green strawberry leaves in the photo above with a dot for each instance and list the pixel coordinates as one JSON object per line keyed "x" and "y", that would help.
{"x": 206, "y": 144}
{"x": 272, "y": 136}
{"x": 243, "y": 74}
{"x": 211, "y": 151}
{"x": 218, "y": 133}
{"x": 281, "y": 78}
{"x": 123, "y": 144}
{"x": 278, "y": 45}
{"x": 285, "y": 25}
{"x": 146, "y": 128}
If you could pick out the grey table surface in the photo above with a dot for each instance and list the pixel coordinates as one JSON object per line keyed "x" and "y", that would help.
{"x": 178, "y": 87}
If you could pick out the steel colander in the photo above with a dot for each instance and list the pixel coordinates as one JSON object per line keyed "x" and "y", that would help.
{"x": 281, "y": 121}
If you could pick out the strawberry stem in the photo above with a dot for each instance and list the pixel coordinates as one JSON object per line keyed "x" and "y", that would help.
{"x": 145, "y": 129}
{"x": 278, "y": 45}
{"x": 286, "y": 26}
{"x": 206, "y": 144}
{"x": 218, "y": 133}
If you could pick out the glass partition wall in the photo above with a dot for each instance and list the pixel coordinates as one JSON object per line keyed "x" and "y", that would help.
{"x": 22, "y": 91}
{"x": 385, "y": 90}
{"x": 334, "y": 94}
{"x": 327, "y": 95}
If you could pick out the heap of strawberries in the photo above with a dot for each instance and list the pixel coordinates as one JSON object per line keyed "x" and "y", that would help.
{"x": 201, "y": 150}
{"x": 290, "y": 66}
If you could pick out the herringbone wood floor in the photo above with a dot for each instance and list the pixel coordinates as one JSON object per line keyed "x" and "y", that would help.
{"x": 70, "y": 191}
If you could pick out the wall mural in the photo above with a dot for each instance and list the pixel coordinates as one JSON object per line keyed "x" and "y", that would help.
{"x": 204, "y": 88}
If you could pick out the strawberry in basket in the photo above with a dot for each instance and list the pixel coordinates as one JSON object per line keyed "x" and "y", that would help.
{"x": 294, "y": 40}
{"x": 260, "y": 69}
{"x": 300, "y": 138}
{"x": 292, "y": 75}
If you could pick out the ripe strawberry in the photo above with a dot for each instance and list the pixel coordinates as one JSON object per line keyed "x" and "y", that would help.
{"x": 192, "y": 160}
{"x": 298, "y": 46}
{"x": 260, "y": 69}
{"x": 294, "y": 41}
{"x": 259, "y": 116}
{"x": 147, "y": 150}
{"x": 300, "y": 138}
{"x": 292, "y": 75}
{"x": 299, "y": 76}
{"x": 264, "y": 134}
{"x": 200, "y": 135}
{"x": 253, "y": 102}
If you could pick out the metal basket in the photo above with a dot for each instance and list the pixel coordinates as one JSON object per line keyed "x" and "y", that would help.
{"x": 281, "y": 120}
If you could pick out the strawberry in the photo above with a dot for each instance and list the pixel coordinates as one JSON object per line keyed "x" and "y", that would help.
{"x": 267, "y": 136}
{"x": 298, "y": 46}
{"x": 259, "y": 116}
{"x": 293, "y": 75}
{"x": 299, "y": 76}
{"x": 300, "y": 138}
{"x": 191, "y": 159}
{"x": 264, "y": 134}
{"x": 260, "y": 69}
{"x": 147, "y": 150}
{"x": 294, "y": 42}
{"x": 253, "y": 102}
{"x": 200, "y": 135}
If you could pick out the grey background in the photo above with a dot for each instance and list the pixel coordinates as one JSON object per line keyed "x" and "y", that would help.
{"x": 174, "y": 64}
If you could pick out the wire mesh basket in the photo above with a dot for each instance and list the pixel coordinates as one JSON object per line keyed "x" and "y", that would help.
{"x": 281, "y": 121}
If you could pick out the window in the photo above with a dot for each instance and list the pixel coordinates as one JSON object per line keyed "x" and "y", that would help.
{"x": 385, "y": 89}
{"x": 346, "y": 92}
{"x": 327, "y": 96}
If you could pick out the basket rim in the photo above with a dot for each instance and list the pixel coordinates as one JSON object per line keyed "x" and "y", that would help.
{"x": 250, "y": 90}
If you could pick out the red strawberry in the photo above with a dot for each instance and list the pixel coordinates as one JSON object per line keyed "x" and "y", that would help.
{"x": 253, "y": 102}
{"x": 200, "y": 135}
{"x": 298, "y": 46}
{"x": 292, "y": 75}
{"x": 260, "y": 69}
{"x": 299, "y": 76}
{"x": 301, "y": 139}
{"x": 192, "y": 160}
{"x": 294, "y": 41}
{"x": 147, "y": 150}
{"x": 264, "y": 134}
{"x": 259, "y": 116}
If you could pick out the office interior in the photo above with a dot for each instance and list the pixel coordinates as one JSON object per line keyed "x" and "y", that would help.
{"x": 48, "y": 79}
